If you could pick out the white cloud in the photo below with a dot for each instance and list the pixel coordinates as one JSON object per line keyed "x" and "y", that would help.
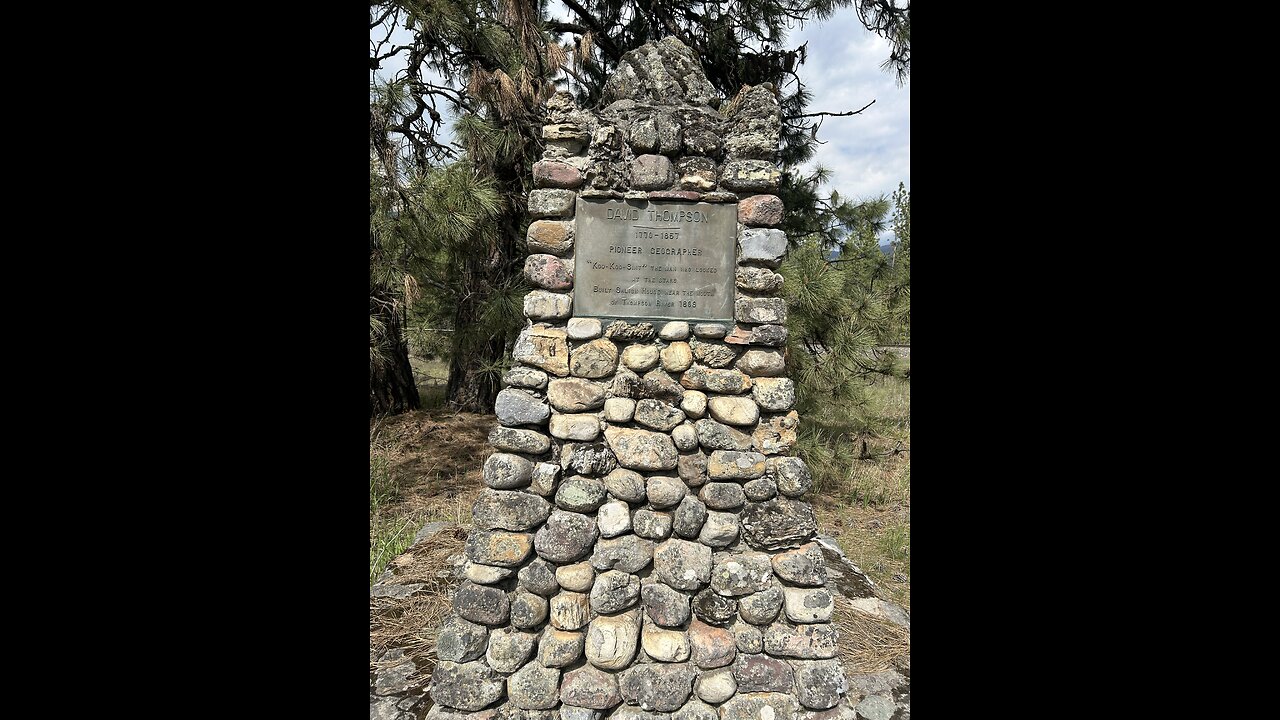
{"x": 869, "y": 153}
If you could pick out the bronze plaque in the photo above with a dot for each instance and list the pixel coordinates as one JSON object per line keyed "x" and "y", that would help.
{"x": 654, "y": 260}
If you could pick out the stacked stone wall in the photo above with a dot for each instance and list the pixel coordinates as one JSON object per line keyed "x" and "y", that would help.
{"x": 643, "y": 549}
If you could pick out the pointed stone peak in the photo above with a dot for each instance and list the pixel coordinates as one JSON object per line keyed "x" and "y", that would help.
{"x": 661, "y": 73}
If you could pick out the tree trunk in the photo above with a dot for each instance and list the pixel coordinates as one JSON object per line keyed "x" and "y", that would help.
{"x": 391, "y": 387}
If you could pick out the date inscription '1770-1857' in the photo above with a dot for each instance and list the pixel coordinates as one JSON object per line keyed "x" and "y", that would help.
{"x": 660, "y": 260}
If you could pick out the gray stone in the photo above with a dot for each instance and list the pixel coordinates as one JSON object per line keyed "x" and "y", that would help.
{"x": 771, "y": 335}
{"x": 714, "y": 436}
{"x": 692, "y": 468}
{"x": 665, "y": 606}
{"x": 748, "y": 638}
{"x": 808, "y": 605}
{"x": 623, "y": 330}
{"x": 711, "y": 331}
{"x": 627, "y": 485}
{"x": 760, "y": 489}
{"x": 674, "y": 330}
{"x": 641, "y": 449}
{"x": 577, "y": 577}
{"x": 486, "y": 574}
{"x": 539, "y": 577}
{"x": 560, "y": 648}
{"x": 761, "y": 608}
{"x": 631, "y": 712}
{"x": 566, "y": 537}
{"x": 534, "y": 687}
{"x": 665, "y": 492}
{"x": 778, "y": 523}
{"x": 774, "y": 393}
{"x": 612, "y": 640}
{"x": 806, "y": 642}
{"x": 525, "y": 377}
{"x": 521, "y": 407}
{"x": 660, "y": 73}
{"x": 581, "y": 494}
{"x": 583, "y": 427}
{"x": 658, "y": 415}
{"x": 628, "y": 553}
{"x": 544, "y": 479}
{"x": 583, "y": 329}
{"x": 503, "y": 471}
{"x": 753, "y": 175}
{"x": 761, "y": 673}
{"x": 713, "y": 608}
{"x": 735, "y": 575}
{"x": 819, "y": 683}
{"x": 713, "y": 354}
{"x": 722, "y": 496}
{"x": 720, "y": 529}
{"x": 619, "y": 410}
{"x": 735, "y": 465}
{"x": 875, "y": 707}
{"x": 651, "y": 172}
{"x": 711, "y": 646}
{"x": 658, "y": 686}
{"x": 570, "y": 712}
{"x": 509, "y": 649}
{"x": 596, "y": 359}
{"x": 791, "y": 475}
{"x": 689, "y": 517}
{"x": 506, "y": 510}
{"x": 762, "y": 363}
{"x": 522, "y": 441}
{"x": 614, "y": 591}
{"x": 498, "y": 548}
{"x": 543, "y": 347}
{"x": 695, "y": 710}
{"x": 802, "y": 566}
{"x": 481, "y": 604}
{"x": 757, "y": 706}
{"x": 652, "y": 525}
{"x": 544, "y": 305}
{"x": 570, "y": 610}
{"x": 757, "y": 279}
{"x": 439, "y": 712}
{"x": 760, "y": 310}
{"x": 681, "y": 564}
{"x": 576, "y": 395}
{"x": 588, "y": 687}
{"x": 685, "y": 437}
{"x": 613, "y": 519}
{"x": 657, "y": 383}
{"x": 528, "y": 611}
{"x": 727, "y": 381}
{"x": 588, "y": 458}
{"x": 664, "y": 645}
{"x": 764, "y": 245}
{"x": 644, "y": 136}
{"x": 551, "y": 203}
{"x": 460, "y": 640}
{"x": 465, "y": 686}
{"x": 626, "y": 384}
{"x": 716, "y": 686}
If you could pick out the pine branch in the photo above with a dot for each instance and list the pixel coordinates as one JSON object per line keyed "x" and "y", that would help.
{"x": 831, "y": 114}
{"x": 601, "y": 36}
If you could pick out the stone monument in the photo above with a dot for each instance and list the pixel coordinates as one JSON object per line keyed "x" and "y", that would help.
{"x": 643, "y": 551}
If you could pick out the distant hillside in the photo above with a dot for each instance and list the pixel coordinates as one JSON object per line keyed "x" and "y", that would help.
{"x": 887, "y": 249}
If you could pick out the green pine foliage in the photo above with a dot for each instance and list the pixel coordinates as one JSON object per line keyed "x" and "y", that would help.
{"x": 845, "y": 300}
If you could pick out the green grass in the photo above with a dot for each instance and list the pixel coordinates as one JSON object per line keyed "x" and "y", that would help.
{"x": 388, "y": 536}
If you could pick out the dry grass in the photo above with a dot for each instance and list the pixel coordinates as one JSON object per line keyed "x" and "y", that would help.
{"x": 413, "y": 623}
{"x": 868, "y": 643}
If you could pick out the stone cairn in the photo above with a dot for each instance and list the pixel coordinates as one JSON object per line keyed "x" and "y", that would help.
{"x": 642, "y": 552}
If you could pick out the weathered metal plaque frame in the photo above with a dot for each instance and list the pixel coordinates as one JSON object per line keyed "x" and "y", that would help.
{"x": 654, "y": 260}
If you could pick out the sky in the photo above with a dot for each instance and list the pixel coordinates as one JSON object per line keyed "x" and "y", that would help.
{"x": 869, "y": 153}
